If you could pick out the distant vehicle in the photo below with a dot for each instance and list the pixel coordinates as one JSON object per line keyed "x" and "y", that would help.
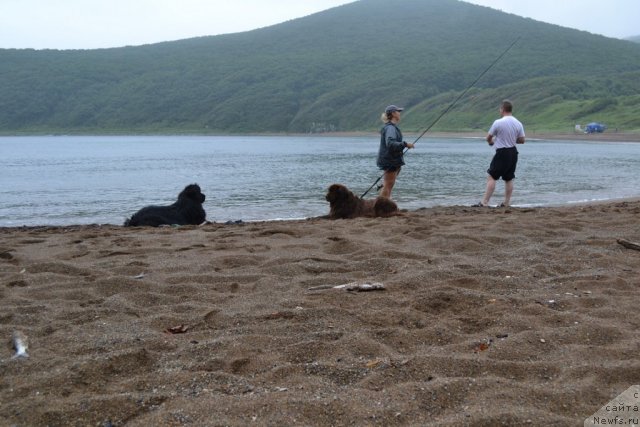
{"x": 595, "y": 128}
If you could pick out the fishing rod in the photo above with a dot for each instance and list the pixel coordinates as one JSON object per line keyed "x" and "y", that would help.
{"x": 450, "y": 106}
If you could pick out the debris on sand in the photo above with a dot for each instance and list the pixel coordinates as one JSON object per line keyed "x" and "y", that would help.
{"x": 20, "y": 344}
{"x": 351, "y": 287}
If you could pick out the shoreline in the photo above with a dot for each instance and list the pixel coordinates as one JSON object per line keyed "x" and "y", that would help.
{"x": 531, "y": 136}
{"x": 295, "y": 220}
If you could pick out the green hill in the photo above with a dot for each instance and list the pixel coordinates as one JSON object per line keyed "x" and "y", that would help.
{"x": 334, "y": 70}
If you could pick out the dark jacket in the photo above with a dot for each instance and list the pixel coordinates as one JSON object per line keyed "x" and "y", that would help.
{"x": 390, "y": 153}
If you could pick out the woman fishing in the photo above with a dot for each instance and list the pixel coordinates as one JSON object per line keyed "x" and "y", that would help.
{"x": 391, "y": 152}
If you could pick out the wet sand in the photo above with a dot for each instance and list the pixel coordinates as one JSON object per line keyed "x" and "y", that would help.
{"x": 488, "y": 317}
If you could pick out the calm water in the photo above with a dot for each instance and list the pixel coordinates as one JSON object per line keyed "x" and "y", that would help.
{"x": 85, "y": 180}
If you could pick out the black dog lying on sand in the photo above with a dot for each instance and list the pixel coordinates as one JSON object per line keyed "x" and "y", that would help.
{"x": 187, "y": 210}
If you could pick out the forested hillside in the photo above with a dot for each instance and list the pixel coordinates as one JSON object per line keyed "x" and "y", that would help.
{"x": 334, "y": 70}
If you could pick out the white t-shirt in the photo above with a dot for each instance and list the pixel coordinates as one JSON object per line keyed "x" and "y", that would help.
{"x": 506, "y": 132}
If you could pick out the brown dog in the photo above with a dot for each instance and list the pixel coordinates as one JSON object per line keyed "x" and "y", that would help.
{"x": 344, "y": 204}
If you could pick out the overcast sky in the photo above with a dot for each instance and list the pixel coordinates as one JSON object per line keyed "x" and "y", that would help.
{"x": 90, "y": 24}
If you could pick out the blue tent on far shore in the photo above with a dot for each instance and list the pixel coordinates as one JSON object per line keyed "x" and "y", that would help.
{"x": 595, "y": 128}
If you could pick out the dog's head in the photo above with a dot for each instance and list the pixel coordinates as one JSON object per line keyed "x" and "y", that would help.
{"x": 192, "y": 192}
{"x": 342, "y": 202}
{"x": 338, "y": 193}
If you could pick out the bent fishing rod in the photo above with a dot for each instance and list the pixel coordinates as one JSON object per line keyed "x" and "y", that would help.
{"x": 450, "y": 107}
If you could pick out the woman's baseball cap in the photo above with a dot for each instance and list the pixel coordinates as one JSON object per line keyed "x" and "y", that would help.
{"x": 392, "y": 108}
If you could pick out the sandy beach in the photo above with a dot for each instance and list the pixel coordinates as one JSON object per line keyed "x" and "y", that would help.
{"x": 488, "y": 317}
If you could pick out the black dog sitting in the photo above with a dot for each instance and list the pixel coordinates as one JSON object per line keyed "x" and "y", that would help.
{"x": 186, "y": 210}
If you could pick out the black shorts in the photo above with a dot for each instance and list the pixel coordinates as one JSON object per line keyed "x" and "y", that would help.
{"x": 504, "y": 164}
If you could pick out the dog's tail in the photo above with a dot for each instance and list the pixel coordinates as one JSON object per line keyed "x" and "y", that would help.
{"x": 127, "y": 222}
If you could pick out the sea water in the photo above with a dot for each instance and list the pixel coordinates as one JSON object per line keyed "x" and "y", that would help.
{"x": 62, "y": 180}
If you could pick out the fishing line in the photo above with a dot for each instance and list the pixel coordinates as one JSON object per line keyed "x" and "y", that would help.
{"x": 450, "y": 107}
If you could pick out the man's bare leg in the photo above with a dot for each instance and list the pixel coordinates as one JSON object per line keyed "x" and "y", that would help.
{"x": 508, "y": 191}
{"x": 491, "y": 187}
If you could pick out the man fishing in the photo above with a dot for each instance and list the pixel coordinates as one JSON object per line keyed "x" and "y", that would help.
{"x": 503, "y": 135}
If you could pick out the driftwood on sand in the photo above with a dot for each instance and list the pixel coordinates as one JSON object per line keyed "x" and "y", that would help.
{"x": 350, "y": 287}
{"x": 629, "y": 245}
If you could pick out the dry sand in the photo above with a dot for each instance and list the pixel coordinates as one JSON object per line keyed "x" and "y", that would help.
{"x": 489, "y": 317}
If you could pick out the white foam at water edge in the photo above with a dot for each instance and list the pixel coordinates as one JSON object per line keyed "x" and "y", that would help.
{"x": 574, "y": 202}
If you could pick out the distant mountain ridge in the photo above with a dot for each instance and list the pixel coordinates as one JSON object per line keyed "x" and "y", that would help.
{"x": 635, "y": 39}
{"x": 334, "y": 70}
